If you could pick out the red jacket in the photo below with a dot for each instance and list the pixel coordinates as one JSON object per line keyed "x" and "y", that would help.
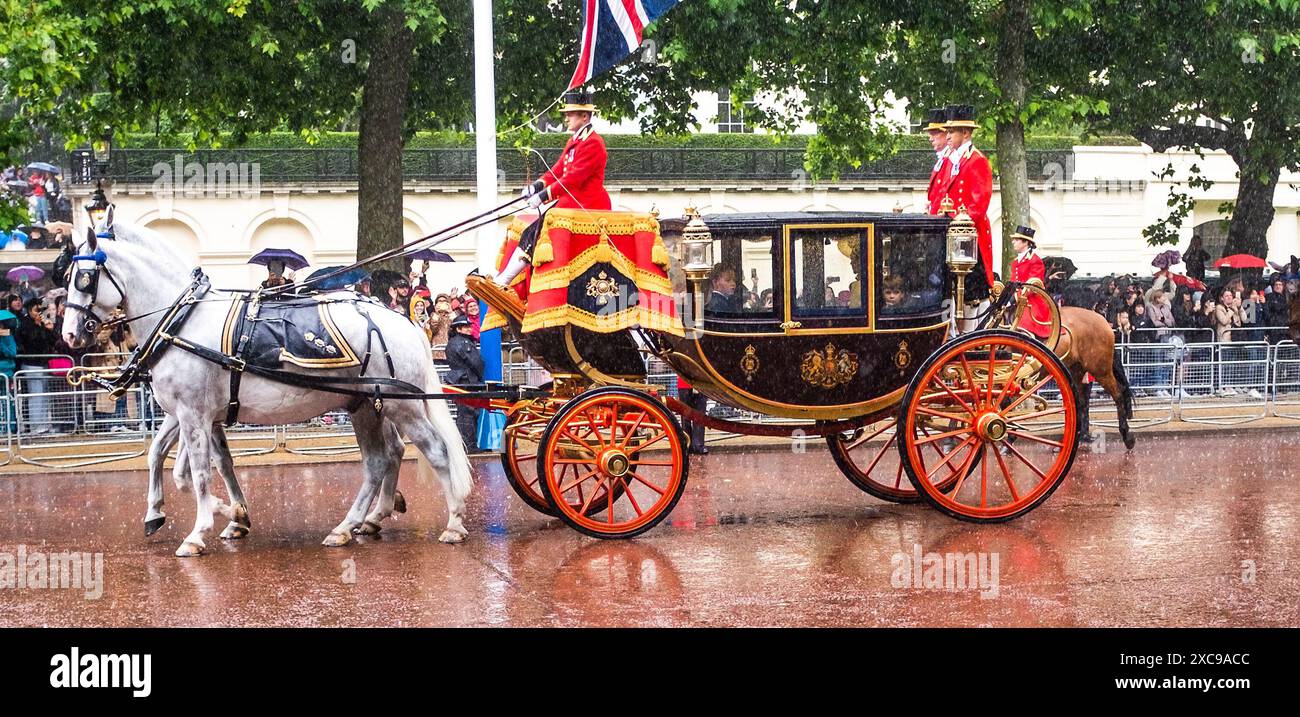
{"x": 937, "y": 179}
{"x": 972, "y": 188}
{"x": 1037, "y": 318}
{"x": 578, "y": 179}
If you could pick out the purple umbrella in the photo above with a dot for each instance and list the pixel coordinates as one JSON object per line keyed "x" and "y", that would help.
{"x": 1166, "y": 259}
{"x": 430, "y": 255}
{"x": 25, "y": 273}
{"x": 290, "y": 258}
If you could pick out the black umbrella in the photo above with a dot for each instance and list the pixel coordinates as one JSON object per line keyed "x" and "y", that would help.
{"x": 290, "y": 258}
{"x": 430, "y": 255}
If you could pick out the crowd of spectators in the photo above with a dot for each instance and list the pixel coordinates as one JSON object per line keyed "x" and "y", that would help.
{"x": 46, "y": 203}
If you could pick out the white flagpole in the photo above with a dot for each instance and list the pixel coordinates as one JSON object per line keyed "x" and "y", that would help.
{"x": 485, "y": 132}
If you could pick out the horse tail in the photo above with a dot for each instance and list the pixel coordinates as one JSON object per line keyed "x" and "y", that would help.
{"x": 1121, "y": 378}
{"x": 439, "y": 414}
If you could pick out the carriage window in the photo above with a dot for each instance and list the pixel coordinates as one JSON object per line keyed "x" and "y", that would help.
{"x": 911, "y": 262}
{"x": 828, "y": 271}
{"x": 740, "y": 284}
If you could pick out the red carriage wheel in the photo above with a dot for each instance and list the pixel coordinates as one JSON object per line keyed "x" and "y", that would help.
{"x": 869, "y": 459}
{"x": 1014, "y": 439}
{"x": 617, "y": 445}
{"x": 519, "y": 459}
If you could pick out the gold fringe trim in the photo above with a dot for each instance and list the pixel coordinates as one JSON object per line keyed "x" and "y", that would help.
{"x": 561, "y": 277}
{"x": 659, "y": 254}
{"x": 594, "y": 222}
{"x": 608, "y": 323}
{"x": 544, "y": 253}
{"x": 494, "y": 320}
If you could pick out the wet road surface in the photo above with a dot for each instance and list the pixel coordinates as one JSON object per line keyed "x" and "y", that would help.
{"x": 1193, "y": 530}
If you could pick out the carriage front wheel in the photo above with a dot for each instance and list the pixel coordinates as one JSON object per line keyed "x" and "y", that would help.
{"x": 1003, "y": 403}
{"x": 616, "y": 447}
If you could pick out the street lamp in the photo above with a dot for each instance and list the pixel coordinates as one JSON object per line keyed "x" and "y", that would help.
{"x": 103, "y": 150}
{"x": 98, "y": 206}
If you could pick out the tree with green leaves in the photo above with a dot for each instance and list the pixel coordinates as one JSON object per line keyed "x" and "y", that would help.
{"x": 1207, "y": 75}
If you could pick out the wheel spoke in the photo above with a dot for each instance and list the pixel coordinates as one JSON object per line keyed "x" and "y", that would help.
{"x": 577, "y": 483}
{"x": 962, "y": 401}
{"x": 967, "y": 441}
{"x": 627, "y": 491}
{"x": 1020, "y": 399}
{"x": 941, "y": 414}
{"x": 1026, "y": 461}
{"x": 1032, "y": 437}
{"x": 940, "y": 436}
{"x": 970, "y": 378}
{"x": 632, "y": 432}
{"x": 652, "y": 486}
{"x": 984, "y": 475}
{"x": 1036, "y": 414}
{"x": 647, "y": 444}
{"x": 864, "y": 438}
{"x": 651, "y": 463}
{"x": 965, "y": 470}
{"x": 1002, "y": 395}
{"x": 1006, "y": 474}
{"x": 581, "y": 442}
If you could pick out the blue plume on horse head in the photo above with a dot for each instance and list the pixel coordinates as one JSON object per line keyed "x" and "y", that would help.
{"x": 99, "y": 257}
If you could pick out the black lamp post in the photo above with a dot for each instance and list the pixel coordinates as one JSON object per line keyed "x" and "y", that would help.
{"x": 102, "y": 150}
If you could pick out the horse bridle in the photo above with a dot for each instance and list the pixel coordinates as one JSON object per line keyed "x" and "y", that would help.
{"x": 87, "y": 282}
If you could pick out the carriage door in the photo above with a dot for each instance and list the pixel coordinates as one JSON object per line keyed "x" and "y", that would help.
{"x": 828, "y": 278}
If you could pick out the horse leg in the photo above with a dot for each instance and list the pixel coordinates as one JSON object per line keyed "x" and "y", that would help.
{"x": 154, "y": 517}
{"x": 368, "y": 428}
{"x": 237, "y": 511}
{"x": 198, "y": 444}
{"x": 1116, "y": 384}
{"x": 432, "y": 430}
{"x": 387, "y": 500}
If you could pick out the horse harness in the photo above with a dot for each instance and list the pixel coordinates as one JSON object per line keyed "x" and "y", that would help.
{"x": 261, "y": 334}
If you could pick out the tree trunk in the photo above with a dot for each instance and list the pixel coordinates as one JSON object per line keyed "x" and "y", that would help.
{"x": 381, "y": 140}
{"x": 1013, "y": 172}
{"x": 1258, "y": 170}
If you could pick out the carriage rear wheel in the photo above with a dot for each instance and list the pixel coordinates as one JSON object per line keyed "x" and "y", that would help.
{"x": 869, "y": 458}
{"x": 519, "y": 460}
{"x": 1008, "y": 398}
{"x": 617, "y": 445}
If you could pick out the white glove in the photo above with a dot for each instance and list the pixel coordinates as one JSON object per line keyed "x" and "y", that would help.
{"x": 527, "y": 191}
{"x": 535, "y": 200}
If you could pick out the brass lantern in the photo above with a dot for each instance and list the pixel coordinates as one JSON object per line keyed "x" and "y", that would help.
{"x": 962, "y": 237}
{"x": 695, "y": 252}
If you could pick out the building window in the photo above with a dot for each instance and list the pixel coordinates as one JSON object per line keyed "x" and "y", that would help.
{"x": 731, "y": 119}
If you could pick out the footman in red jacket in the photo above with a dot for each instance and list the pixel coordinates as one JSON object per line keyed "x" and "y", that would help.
{"x": 577, "y": 181}
{"x": 970, "y": 187}
{"x": 939, "y": 143}
{"x": 1027, "y": 265}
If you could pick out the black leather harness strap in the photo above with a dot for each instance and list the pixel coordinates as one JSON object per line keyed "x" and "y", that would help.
{"x": 244, "y": 328}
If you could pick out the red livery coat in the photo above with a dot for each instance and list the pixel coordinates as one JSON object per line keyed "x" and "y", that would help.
{"x": 934, "y": 194}
{"x": 1037, "y": 318}
{"x": 972, "y": 188}
{"x": 577, "y": 181}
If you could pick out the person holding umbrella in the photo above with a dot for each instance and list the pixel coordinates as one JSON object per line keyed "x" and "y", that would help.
{"x": 276, "y": 261}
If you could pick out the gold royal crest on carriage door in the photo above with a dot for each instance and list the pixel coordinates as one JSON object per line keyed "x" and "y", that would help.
{"x": 828, "y": 367}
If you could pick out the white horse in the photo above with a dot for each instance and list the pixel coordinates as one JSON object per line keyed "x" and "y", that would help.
{"x": 196, "y": 391}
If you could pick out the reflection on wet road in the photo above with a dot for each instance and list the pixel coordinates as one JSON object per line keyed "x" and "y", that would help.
{"x": 1188, "y": 530}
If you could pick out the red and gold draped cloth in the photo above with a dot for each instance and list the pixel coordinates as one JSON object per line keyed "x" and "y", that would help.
{"x": 603, "y": 271}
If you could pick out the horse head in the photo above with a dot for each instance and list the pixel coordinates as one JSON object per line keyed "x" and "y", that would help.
{"x": 90, "y": 301}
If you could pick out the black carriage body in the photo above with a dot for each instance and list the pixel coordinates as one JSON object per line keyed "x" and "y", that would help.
{"x": 831, "y": 313}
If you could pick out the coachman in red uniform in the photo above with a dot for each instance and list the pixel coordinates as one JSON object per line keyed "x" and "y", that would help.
{"x": 939, "y": 143}
{"x": 1027, "y": 265}
{"x": 577, "y": 181}
{"x": 969, "y": 185}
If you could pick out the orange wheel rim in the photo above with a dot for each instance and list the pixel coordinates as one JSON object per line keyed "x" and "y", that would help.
{"x": 1010, "y": 427}
{"x": 620, "y": 450}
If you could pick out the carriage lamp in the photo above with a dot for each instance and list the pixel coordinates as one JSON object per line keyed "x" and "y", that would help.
{"x": 695, "y": 251}
{"x": 102, "y": 149}
{"x": 98, "y": 206}
{"x": 961, "y": 252}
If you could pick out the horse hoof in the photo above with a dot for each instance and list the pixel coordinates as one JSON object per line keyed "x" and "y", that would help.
{"x": 241, "y": 517}
{"x": 234, "y": 532}
{"x": 367, "y": 528}
{"x": 152, "y": 526}
{"x": 336, "y": 540}
{"x": 451, "y": 536}
{"x": 1129, "y": 442}
{"x": 399, "y": 502}
{"x": 189, "y": 550}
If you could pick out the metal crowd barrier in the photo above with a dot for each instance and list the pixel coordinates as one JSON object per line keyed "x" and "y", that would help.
{"x": 1285, "y": 389}
{"x": 1152, "y": 376}
{"x": 60, "y": 426}
{"x": 304, "y": 438}
{"x": 1228, "y": 375}
{"x": 8, "y": 422}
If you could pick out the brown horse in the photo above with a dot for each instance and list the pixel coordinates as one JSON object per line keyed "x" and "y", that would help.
{"x": 1087, "y": 346}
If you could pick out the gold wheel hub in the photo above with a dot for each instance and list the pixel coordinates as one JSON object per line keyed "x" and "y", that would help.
{"x": 615, "y": 463}
{"x": 991, "y": 427}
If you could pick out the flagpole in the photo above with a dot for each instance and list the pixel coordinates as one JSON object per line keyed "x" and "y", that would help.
{"x": 485, "y": 143}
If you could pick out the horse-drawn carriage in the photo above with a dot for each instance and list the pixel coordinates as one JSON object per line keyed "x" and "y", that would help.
{"x": 837, "y": 324}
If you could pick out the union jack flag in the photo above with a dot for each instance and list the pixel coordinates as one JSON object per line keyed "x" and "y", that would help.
{"x": 611, "y": 30}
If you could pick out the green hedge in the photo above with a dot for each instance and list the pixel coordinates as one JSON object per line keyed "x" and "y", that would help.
{"x": 437, "y": 140}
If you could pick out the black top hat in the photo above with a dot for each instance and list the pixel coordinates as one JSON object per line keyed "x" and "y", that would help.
{"x": 960, "y": 116}
{"x": 934, "y": 121}
{"x": 578, "y": 101}
{"x": 1025, "y": 233}
{"x": 460, "y": 320}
